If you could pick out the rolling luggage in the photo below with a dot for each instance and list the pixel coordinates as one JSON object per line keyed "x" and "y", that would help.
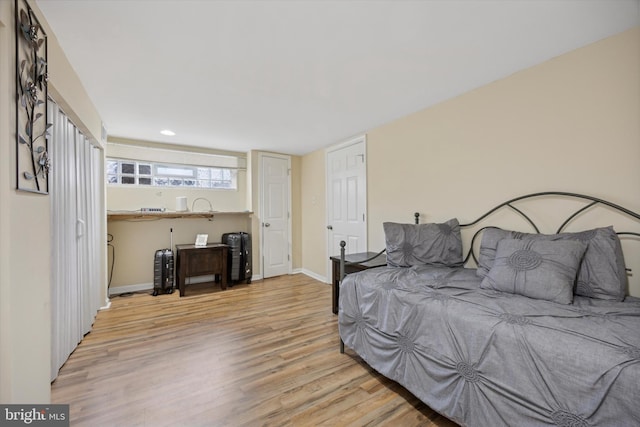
{"x": 163, "y": 267}
{"x": 163, "y": 272}
{"x": 239, "y": 259}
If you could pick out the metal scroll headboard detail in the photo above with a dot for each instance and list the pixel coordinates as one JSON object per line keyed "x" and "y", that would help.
{"x": 593, "y": 201}
{"x": 343, "y": 262}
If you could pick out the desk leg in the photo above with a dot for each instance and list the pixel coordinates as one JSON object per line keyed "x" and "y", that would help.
{"x": 223, "y": 279}
{"x": 181, "y": 285}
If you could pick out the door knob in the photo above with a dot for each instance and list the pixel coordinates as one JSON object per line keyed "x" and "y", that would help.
{"x": 329, "y": 227}
{"x": 266, "y": 224}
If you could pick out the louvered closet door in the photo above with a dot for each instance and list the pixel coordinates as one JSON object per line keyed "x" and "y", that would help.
{"x": 81, "y": 229}
{"x": 76, "y": 226}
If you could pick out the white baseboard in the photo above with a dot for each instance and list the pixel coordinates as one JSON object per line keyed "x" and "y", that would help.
{"x": 298, "y": 271}
{"x": 313, "y": 275}
{"x": 139, "y": 287}
{"x": 117, "y": 290}
{"x": 149, "y": 286}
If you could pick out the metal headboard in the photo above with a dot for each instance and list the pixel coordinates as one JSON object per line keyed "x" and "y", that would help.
{"x": 344, "y": 262}
{"x": 510, "y": 204}
{"x": 593, "y": 201}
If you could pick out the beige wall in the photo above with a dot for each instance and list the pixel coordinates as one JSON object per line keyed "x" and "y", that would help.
{"x": 123, "y": 198}
{"x": 314, "y": 215}
{"x": 253, "y": 178}
{"x": 571, "y": 123}
{"x": 25, "y": 323}
{"x": 296, "y": 215}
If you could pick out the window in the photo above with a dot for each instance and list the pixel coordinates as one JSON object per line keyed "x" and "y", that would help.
{"x": 131, "y": 172}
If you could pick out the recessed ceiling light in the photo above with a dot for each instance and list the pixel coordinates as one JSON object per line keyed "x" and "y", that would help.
{"x": 167, "y": 132}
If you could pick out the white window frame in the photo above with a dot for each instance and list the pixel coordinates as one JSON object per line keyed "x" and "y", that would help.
{"x": 180, "y": 178}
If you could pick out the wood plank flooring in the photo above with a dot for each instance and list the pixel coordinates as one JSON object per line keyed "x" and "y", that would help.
{"x": 264, "y": 354}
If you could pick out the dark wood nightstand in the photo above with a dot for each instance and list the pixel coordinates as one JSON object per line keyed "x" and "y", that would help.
{"x": 379, "y": 261}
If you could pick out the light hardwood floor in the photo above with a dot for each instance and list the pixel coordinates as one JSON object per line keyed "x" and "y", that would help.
{"x": 264, "y": 354}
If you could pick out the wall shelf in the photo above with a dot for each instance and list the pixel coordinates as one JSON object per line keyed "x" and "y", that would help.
{"x": 129, "y": 215}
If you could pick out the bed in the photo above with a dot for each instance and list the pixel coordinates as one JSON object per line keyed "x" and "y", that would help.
{"x": 540, "y": 331}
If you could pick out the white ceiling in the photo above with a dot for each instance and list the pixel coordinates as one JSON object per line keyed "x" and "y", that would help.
{"x": 295, "y": 76}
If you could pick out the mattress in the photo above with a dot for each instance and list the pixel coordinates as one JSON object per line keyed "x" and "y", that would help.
{"x": 490, "y": 358}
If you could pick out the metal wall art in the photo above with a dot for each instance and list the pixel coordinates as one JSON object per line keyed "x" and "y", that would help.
{"x": 32, "y": 158}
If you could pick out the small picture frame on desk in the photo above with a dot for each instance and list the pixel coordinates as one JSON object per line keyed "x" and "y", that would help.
{"x": 201, "y": 239}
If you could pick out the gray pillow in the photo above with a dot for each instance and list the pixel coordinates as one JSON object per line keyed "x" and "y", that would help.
{"x": 420, "y": 244}
{"x": 540, "y": 269}
{"x": 488, "y": 245}
{"x": 602, "y": 273}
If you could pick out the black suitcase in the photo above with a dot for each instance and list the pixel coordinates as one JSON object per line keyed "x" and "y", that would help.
{"x": 163, "y": 271}
{"x": 239, "y": 259}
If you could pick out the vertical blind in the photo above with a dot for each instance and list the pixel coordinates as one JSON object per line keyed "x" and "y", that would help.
{"x": 76, "y": 191}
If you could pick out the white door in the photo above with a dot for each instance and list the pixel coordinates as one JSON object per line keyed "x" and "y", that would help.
{"x": 347, "y": 197}
{"x": 276, "y": 259}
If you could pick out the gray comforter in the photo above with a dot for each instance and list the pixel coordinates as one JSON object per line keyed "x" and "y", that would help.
{"x": 487, "y": 358}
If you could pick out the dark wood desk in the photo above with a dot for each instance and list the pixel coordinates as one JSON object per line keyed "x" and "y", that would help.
{"x": 379, "y": 261}
{"x": 192, "y": 260}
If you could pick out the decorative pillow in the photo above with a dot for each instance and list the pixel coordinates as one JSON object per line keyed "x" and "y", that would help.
{"x": 488, "y": 245}
{"x": 602, "y": 273}
{"x": 419, "y": 244}
{"x": 540, "y": 269}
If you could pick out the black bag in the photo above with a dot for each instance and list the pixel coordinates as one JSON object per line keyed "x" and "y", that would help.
{"x": 163, "y": 271}
{"x": 239, "y": 260}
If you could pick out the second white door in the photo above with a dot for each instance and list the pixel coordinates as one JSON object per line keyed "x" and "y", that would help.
{"x": 275, "y": 215}
{"x": 347, "y": 197}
